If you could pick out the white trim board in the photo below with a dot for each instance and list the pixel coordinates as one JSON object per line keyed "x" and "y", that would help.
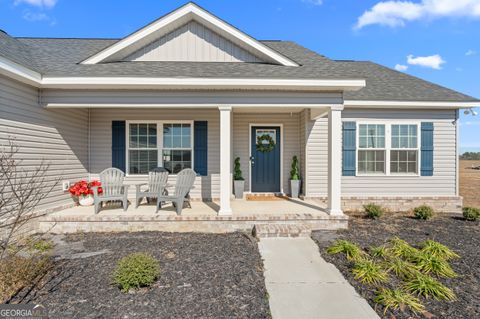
{"x": 201, "y": 83}
{"x": 410, "y": 104}
{"x": 188, "y": 12}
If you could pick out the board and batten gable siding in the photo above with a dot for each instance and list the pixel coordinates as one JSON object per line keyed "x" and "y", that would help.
{"x": 206, "y": 187}
{"x": 442, "y": 183}
{"x": 195, "y": 43}
{"x": 59, "y": 137}
{"x": 290, "y": 135}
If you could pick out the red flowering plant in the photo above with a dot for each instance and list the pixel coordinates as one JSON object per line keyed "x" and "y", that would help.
{"x": 84, "y": 188}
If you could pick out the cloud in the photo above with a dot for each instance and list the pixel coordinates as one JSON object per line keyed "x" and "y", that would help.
{"x": 397, "y": 13}
{"x": 432, "y": 61}
{"x": 38, "y": 3}
{"x": 38, "y": 17}
{"x": 470, "y": 52}
{"x": 314, "y": 2}
{"x": 401, "y": 67}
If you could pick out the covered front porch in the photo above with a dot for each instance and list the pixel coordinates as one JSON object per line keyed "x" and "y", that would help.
{"x": 229, "y": 124}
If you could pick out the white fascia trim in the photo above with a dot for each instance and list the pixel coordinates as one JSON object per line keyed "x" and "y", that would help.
{"x": 200, "y": 83}
{"x": 193, "y": 9}
{"x": 19, "y": 72}
{"x": 411, "y": 104}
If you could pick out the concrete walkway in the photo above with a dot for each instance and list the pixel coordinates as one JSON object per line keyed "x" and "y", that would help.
{"x": 301, "y": 284}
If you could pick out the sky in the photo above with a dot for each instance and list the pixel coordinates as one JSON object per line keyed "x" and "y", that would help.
{"x": 437, "y": 40}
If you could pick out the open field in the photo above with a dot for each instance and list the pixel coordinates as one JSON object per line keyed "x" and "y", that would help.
{"x": 470, "y": 183}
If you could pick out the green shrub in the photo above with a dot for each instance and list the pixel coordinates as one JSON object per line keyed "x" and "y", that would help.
{"x": 471, "y": 213}
{"x": 401, "y": 268}
{"x": 423, "y": 212}
{"x": 400, "y": 248}
{"x": 424, "y": 285}
{"x": 373, "y": 211}
{"x": 135, "y": 271}
{"x": 379, "y": 251}
{"x": 369, "y": 272}
{"x": 436, "y": 249}
{"x": 431, "y": 264}
{"x": 42, "y": 245}
{"x": 352, "y": 251}
{"x": 398, "y": 299}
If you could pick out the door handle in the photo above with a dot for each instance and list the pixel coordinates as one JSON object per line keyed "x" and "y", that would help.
{"x": 252, "y": 158}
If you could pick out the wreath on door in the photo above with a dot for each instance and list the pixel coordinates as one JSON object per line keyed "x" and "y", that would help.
{"x": 265, "y": 143}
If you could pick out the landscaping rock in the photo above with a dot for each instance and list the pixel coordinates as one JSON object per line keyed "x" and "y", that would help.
{"x": 201, "y": 276}
{"x": 461, "y": 236}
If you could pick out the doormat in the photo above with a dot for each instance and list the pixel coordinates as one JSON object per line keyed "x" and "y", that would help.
{"x": 266, "y": 197}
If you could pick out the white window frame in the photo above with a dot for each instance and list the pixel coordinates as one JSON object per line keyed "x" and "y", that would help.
{"x": 388, "y": 146}
{"x": 159, "y": 141}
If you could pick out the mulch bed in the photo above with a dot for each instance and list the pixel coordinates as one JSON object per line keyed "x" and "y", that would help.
{"x": 202, "y": 276}
{"x": 460, "y": 235}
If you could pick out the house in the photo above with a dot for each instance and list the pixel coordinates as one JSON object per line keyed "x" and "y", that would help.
{"x": 190, "y": 90}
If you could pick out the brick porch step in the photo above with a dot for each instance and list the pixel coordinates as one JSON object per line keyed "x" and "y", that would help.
{"x": 281, "y": 230}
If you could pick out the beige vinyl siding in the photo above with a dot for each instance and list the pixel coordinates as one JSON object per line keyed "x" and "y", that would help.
{"x": 59, "y": 137}
{"x": 193, "y": 42}
{"x": 101, "y": 145}
{"x": 290, "y": 136}
{"x": 443, "y": 181}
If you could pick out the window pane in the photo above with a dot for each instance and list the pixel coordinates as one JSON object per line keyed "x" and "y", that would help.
{"x": 142, "y": 129}
{"x": 176, "y": 160}
{"x": 152, "y": 141}
{"x": 404, "y": 142}
{"x": 186, "y": 141}
{"x": 133, "y": 141}
{"x": 362, "y": 142}
{"x": 371, "y": 162}
{"x": 142, "y": 142}
{"x": 403, "y": 162}
{"x": 140, "y": 162}
{"x": 371, "y": 136}
{"x": 152, "y": 130}
{"x": 177, "y": 129}
{"x": 176, "y": 142}
{"x": 404, "y": 136}
{"x": 413, "y": 142}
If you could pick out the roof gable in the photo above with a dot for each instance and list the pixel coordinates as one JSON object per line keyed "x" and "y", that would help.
{"x": 173, "y": 21}
{"x": 193, "y": 42}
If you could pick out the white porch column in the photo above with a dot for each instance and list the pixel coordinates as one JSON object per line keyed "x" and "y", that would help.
{"x": 225, "y": 160}
{"x": 335, "y": 160}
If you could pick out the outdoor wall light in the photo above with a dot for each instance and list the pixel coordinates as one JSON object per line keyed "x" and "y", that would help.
{"x": 470, "y": 111}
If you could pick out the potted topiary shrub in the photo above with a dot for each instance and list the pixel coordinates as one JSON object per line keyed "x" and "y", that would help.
{"x": 295, "y": 181}
{"x": 238, "y": 181}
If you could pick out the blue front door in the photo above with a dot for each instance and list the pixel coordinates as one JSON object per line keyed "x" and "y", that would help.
{"x": 265, "y": 165}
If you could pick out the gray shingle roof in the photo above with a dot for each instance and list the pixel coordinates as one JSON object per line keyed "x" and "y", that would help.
{"x": 61, "y": 57}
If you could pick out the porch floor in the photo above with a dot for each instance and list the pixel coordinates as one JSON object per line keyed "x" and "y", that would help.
{"x": 202, "y": 217}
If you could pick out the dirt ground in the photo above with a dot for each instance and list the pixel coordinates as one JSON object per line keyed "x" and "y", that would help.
{"x": 470, "y": 183}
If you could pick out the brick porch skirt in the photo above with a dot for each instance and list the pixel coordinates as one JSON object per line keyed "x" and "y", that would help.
{"x": 441, "y": 204}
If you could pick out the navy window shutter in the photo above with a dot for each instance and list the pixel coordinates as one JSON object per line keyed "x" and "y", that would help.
{"x": 200, "y": 147}
{"x": 349, "y": 148}
{"x": 118, "y": 145}
{"x": 426, "y": 168}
